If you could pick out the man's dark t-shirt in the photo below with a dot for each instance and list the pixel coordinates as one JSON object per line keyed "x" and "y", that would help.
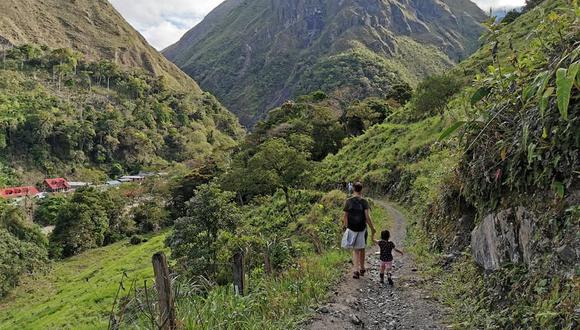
{"x": 386, "y": 250}
{"x": 356, "y": 207}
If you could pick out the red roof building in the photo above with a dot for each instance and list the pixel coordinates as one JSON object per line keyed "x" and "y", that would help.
{"x": 17, "y": 192}
{"x": 56, "y": 185}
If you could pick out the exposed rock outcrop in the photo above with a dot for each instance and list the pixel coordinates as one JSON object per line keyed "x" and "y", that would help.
{"x": 506, "y": 236}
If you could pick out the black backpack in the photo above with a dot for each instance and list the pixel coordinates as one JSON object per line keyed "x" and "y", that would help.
{"x": 356, "y": 215}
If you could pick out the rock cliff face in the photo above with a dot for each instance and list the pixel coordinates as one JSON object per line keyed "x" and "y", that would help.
{"x": 503, "y": 237}
{"x": 255, "y": 54}
{"x": 92, "y": 27}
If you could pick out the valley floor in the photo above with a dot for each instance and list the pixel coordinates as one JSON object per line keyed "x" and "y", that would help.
{"x": 366, "y": 303}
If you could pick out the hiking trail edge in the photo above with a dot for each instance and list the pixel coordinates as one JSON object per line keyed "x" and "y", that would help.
{"x": 365, "y": 303}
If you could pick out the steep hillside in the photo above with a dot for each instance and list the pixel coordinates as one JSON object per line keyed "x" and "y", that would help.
{"x": 497, "y": 204}
{"x": 61, "y": 113}
{"x": 254, "y": 55}
{"x": 92, "y": 27}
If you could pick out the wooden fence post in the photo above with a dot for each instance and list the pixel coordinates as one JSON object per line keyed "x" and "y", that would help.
{"x": 239, "y": 273}
{"x": 163, "y": 285}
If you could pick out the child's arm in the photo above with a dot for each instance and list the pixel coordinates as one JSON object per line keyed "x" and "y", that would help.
{"x": 399, "y": 251}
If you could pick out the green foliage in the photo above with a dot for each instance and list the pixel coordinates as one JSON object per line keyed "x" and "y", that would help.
{"x": 363, "y": 114}
{"x": 84, "y": 223}
{"x": 151, "y": 216}
{"x": 194, "y": 241}
{"x": 310, "y": 124}
{"x": 183, "y": 190}
{"x": 355, "y": 75}
{"x": 18, "y": 257}
{"x": 433, "y": 94}
{"x": 102, "y": 115}
{"x": 23, "y": 246}
{"x": 520, "y": 135}
{"x": 48, "y": 208}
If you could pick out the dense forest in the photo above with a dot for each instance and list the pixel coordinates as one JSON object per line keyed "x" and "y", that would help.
{"x": 67, "y": 113}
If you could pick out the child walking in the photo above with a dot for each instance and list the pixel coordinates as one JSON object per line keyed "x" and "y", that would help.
{"x": 386, "y": 257}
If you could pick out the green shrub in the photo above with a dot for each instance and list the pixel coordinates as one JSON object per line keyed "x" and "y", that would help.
{"x": 48, "y": 208}
{"x": 136, "y": 240}
{"x": 81, "y": 224}
{"x": 194, "y": 241}
{"x": 151, "y": 216}
{"x": 433, "y": 94}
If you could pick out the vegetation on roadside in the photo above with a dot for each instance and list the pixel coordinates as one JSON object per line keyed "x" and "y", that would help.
{"x": 508, "y": 138}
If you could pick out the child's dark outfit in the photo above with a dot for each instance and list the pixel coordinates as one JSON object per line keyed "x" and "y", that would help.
{"x": 386, "y": 258}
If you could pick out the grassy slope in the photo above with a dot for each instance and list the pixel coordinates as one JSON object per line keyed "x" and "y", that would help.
{"x": 387, "y": 151}
{"x": 78, "y": 293}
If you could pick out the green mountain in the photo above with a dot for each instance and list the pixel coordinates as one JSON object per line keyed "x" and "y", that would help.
{"x": 92, "y": 27}
{"x": 254, "y": 55}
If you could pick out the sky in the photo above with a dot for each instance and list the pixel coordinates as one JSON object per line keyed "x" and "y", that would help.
{"x": 163, "y": 22}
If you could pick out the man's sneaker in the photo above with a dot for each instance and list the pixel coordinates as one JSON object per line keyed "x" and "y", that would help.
{"x": 362, "y": 272}
{"x": 390, "y": 281}
{"x": 356, "y": 275}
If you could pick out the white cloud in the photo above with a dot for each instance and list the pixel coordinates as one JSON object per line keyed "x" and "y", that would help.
{"x": 495, "y": 4}
{"x": 163, "y": 22}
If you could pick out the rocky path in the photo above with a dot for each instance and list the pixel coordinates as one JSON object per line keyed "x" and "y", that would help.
{"x": 367, "y": 304}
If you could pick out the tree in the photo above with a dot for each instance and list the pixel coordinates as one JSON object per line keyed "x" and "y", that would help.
{"x": 18, "y": 257}
{"x": 184, "y": 189}
{"x": 81, "y": 224}
{"x": 151, "y": 216}
{"x": 22, "y": 246}
{"x": 48, "y": 209}
{"x": 362, "y": 115}
{"x": 279, "y": 165}
{"x": 434, "y": 93}
{"x": 194, "y": 239}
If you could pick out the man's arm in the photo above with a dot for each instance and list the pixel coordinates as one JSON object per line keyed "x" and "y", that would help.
{"x": 401, "y": 252}
{"x": 370, "y": 221}
{"x": 345, "y": 220}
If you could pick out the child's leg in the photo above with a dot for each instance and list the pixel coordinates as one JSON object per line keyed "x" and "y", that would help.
{"x": 382, "y": 272}
{"x": 388, "y": 268}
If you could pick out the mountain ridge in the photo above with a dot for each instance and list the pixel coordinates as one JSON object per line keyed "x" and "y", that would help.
{"x": 94, "y": 28}
{"x": 254, "y": 54}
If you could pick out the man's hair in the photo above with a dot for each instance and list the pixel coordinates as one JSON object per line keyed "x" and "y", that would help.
{"x": 385, "y": 235}
{"x": 358, "y": 187}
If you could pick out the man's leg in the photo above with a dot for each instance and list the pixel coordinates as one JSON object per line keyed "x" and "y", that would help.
{"x": 355, "y": 262}
{"x": 362, "y": 259}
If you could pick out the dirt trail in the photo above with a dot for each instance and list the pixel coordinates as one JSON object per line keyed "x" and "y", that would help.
{"x": 365, "y": 303}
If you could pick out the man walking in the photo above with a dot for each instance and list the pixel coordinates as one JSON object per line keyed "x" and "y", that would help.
{"x": 356, "y": 218}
